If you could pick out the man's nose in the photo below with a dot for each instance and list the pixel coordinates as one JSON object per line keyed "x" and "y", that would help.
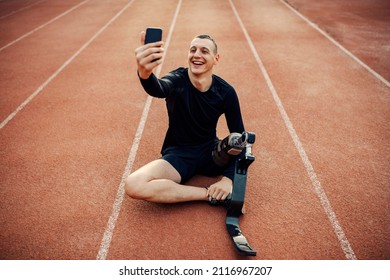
{"x": 197, "y": 53}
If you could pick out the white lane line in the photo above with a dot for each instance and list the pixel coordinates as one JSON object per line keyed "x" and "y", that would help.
{"x": 346, "y": 247}
{"x": 116, "y": 208}
{"x": 21, "y": 9}
{"x": 43, "y": 25}
{"x": 337, "y": 44}
{"x": 63, "y": 66}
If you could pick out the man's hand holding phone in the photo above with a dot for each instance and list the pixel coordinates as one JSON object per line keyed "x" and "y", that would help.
{"x": 150, "y": 54}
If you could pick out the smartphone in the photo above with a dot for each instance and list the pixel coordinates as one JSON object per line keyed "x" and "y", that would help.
{"x": 153, "y": 34}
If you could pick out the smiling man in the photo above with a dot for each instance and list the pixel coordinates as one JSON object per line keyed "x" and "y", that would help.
{"x": 195, "y": 99}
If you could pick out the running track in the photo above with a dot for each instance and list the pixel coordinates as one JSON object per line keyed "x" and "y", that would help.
{"x": 75, "y": 121}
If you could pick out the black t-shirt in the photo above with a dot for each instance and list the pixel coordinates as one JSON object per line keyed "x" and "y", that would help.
{"x": 193, "y": 115}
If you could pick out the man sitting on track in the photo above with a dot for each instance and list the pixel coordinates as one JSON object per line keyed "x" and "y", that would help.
{"x": 195, "y": 99}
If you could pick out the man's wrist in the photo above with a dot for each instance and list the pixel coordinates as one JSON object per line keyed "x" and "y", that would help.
{"x": 143, "y": 76}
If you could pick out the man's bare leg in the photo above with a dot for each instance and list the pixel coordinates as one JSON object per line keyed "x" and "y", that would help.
{"x": 159, "y": 181}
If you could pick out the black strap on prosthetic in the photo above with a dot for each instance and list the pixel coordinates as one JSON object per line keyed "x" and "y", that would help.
{"x": 228, "y": 147}
{"x": 234, "y": 209}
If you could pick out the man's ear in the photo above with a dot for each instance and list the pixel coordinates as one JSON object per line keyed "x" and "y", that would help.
{"x": 216, "y": 59}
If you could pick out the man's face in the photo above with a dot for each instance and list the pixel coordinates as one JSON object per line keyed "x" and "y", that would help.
{"x": 201, "y": 57}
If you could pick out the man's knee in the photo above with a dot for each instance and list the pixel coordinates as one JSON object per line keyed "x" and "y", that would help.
{"x": 134, "y": 186}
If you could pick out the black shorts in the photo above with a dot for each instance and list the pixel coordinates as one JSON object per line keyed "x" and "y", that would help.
{"x": 192, "y": 160}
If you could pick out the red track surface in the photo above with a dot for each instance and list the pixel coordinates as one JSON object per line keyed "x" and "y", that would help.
{"x": 71, "y": 104}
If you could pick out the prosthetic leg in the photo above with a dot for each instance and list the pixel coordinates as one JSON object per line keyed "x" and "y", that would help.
{"x": 228, "y": 147}
{"x": 238, "y": 195}
{"x": 233, "y": 145}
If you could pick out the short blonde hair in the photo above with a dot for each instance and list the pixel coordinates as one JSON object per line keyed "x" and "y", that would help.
{"x": 208, "y": 37}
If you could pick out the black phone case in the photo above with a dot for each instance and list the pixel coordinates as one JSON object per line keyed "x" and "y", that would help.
{"x": 153, "y": 35}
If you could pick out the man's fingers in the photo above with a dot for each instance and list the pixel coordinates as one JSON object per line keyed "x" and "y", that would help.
{"x": 150, "y": 48}
{"x": 146, "y": 51}
{"x": 149, "y": 57}
{"x": 142, "y": 36}
{"x": 153, "y": 59}
{"x": 220, "y": 196}
{"x": 224, "y": 196}
{"x": 217, "y": 194}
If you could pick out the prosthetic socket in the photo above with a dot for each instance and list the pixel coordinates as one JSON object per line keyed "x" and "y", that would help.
{"x": 230, "y": 146}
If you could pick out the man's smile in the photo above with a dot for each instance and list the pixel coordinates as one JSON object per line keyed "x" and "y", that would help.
{"x": 198, "y": 62}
